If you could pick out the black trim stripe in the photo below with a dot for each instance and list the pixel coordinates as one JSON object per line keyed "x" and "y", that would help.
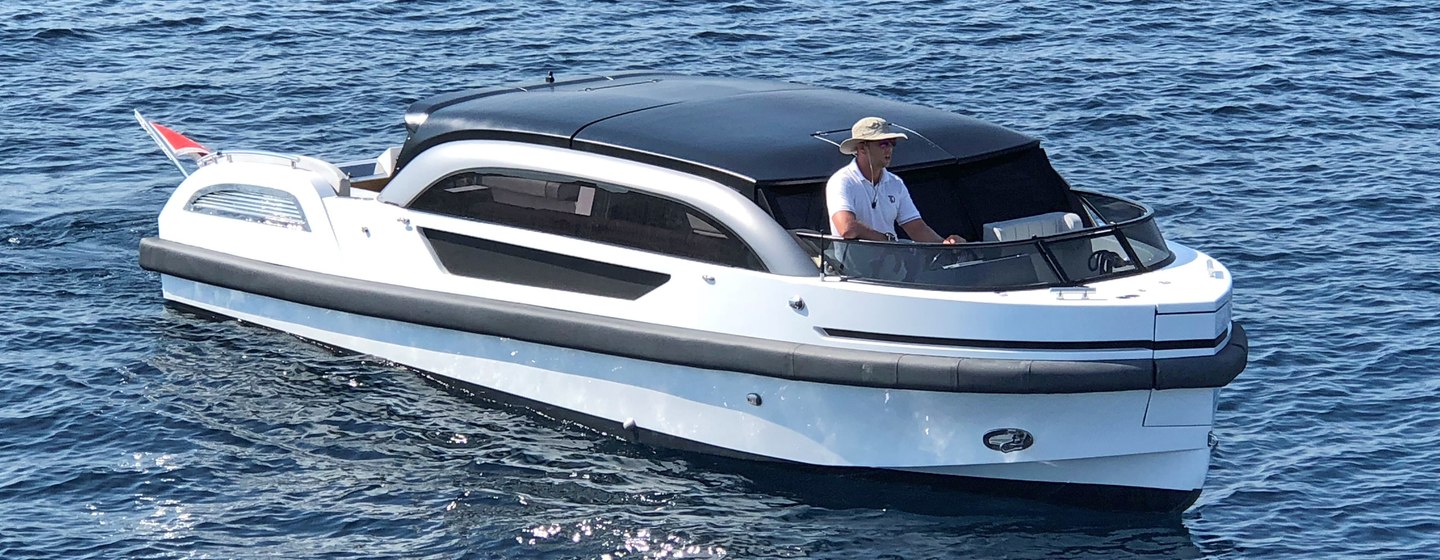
{"x": 1024, "y": 345}
{"x": 701, "y": 349}
{"x": 1223, "y": 303}
{"x": 1190, "y": 344}
{"x": 503, "y": 262}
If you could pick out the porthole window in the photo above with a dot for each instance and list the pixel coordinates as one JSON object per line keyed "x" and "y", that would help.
{"x": 587, "y": 210}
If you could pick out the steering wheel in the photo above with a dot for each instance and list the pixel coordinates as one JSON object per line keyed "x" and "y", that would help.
{"x": 1104, "y": 261}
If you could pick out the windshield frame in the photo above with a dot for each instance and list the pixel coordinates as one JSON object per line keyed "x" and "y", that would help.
{"x": 1115, "y": 220}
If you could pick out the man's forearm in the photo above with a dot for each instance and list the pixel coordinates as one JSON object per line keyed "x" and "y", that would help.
{"x": 863, "y": 231}
{"x": 921, "y": 231}
{"x": 847, "y": 226}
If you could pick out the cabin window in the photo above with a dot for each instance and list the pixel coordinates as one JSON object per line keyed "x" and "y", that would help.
{"x": 588, "y": 210}
{"x": 797, "y": 206}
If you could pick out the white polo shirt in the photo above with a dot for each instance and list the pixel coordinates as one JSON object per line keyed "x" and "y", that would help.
{"x": 878, "y": 207}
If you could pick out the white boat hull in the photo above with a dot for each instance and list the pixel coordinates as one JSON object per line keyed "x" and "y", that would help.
{"x": 1085, "y": 439}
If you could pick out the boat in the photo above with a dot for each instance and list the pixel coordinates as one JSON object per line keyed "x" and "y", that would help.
{"x": 646, "y": 254}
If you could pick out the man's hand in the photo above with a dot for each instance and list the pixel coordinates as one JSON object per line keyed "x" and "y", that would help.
{"x": 953, "y": 240}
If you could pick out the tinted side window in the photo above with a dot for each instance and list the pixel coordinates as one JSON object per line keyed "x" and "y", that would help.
{"x": 576, "y": 208}
{"x": 798, "y": 206}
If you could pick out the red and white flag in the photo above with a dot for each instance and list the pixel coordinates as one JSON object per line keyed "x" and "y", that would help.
{"x": 172, "y": 143}
{"x": 178, "y": 143}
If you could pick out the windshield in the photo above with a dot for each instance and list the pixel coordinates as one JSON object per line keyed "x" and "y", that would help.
{"x": 1120, "y": 239}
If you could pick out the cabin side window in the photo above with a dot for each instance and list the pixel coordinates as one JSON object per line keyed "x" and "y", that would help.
{"x": 588, "y": 210}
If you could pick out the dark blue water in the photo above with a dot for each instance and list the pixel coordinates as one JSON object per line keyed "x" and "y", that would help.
{"x": 1296, "y": 141}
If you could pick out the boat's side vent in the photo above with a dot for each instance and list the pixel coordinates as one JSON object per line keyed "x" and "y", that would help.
{"x": 251, "y": 203}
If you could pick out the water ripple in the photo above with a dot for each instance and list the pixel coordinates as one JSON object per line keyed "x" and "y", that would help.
{"x": 1291, "y": 140}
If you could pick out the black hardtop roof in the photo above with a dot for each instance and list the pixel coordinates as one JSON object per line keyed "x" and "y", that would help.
{"x": 741, "y": 132}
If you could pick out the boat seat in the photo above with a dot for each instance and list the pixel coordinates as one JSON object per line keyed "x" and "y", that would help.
{"x": 1029, "y": 227}
{"x": 372, "y": 175}
{"x": 530, "y": 193}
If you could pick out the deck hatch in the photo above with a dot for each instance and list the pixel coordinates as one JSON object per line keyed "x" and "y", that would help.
{"x": 250, "y": 203}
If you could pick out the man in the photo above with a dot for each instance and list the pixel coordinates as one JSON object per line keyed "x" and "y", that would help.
{"x": 864, "y": 200}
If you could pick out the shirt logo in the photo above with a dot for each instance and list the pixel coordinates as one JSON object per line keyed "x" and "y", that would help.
{"x": 892, "y": 199}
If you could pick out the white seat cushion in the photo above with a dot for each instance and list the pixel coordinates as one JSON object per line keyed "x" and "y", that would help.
{"x": 1032, "y": 226}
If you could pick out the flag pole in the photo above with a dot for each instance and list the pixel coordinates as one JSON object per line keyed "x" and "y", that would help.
{"x": 155, "y": 136}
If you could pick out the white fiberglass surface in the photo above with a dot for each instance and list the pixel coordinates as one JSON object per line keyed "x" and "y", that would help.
{"x": 809, "y": 422}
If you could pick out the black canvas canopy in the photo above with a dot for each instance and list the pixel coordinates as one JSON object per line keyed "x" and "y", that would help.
{"x": 774, "y": 142}
{"x": 741, "y": 132}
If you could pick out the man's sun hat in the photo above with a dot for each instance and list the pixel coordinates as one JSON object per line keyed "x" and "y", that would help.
{"x": 869, "y": 129}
